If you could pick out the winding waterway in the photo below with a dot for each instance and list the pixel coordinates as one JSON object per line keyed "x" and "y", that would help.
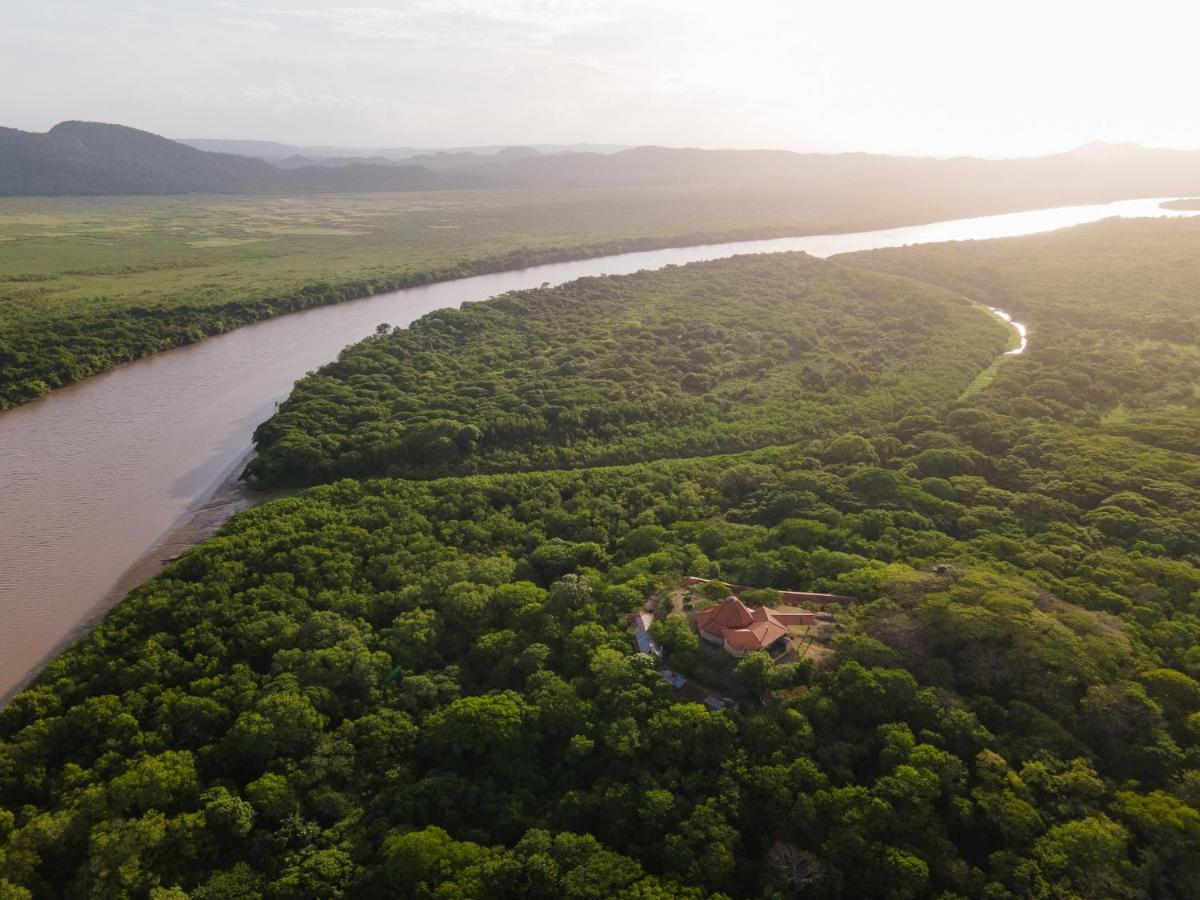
{"x": 94, "y": 475}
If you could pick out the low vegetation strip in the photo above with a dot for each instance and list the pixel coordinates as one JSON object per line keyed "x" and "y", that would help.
{"x": 707, "y": 358}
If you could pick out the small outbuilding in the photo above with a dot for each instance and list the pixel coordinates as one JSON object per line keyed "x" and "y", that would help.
{"x": 641, "y": 635}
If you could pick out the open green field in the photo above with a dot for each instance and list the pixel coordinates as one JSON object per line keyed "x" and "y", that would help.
{"x": 68, "y": 257}
{"x": 89, "y": 283}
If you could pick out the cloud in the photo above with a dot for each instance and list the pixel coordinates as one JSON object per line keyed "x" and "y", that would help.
{"x": 282, "y": 97}
{"x": 930, "y": 76}
{"x": 467, "y": 24}
{"x": 246, "y": 23}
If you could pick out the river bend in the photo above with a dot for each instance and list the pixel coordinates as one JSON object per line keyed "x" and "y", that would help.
{"x": 93, "y": 475}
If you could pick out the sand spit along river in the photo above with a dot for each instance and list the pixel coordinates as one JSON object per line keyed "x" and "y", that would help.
{"x": 96, "y": 478}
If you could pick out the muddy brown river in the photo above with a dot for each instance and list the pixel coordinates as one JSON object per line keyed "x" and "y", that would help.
{"x": 93, "y": 476}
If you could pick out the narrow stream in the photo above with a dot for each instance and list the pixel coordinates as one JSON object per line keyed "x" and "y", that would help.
{"x": 1022, "y": 332}
{"x": 94, "y": 475}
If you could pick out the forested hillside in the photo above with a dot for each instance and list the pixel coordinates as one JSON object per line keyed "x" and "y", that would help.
{"x": 426, "y": 688}
{"x": 707, "y": 358}
{"x": 91, "y": 158}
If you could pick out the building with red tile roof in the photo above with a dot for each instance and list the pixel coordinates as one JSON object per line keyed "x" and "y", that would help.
{"x": 741, "y": 630}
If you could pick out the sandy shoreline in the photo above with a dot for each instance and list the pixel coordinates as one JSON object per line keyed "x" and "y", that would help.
{"x": 230, "y": 496}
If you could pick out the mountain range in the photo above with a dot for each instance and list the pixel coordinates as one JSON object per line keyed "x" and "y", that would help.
{"x": 92, "y": 158}
{"x": 293, "y": 155}
{"x": 95, "y": 158}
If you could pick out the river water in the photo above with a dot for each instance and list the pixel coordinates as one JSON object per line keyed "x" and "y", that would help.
{"x": 94, "y": 475}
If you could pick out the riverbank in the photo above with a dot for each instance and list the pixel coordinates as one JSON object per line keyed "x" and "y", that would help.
{"x": 231, "y": 495}
{"x": 88, "y": 284}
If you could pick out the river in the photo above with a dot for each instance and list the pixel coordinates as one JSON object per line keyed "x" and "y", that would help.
{"x": 94, "y": 477}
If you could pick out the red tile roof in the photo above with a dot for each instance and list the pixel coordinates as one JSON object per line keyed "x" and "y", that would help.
{"x": 731, "y": 613}
{"x": 743, "y": 629}
{"x": 758, "y": 636}
{"x": 792, "y": 616}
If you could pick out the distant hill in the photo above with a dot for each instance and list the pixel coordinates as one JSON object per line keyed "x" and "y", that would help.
{"x": 945, "y": 186}
{"x": 1094, "y": 150}
{"x": 299, "y": 162}
{"x": 450, "y": 159}
{"x": 325, "y": 155}
{"x": 91, "y": 158}
{"x": 666, "y": 165}
{"x": 94, "y": 158}
{"x": 271, "y": 151}
{"x": 440, "y": 161}
{"x": 1121, "y": 167}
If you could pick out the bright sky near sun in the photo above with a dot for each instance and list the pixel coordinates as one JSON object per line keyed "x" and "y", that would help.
{"x": 906, "y": 76}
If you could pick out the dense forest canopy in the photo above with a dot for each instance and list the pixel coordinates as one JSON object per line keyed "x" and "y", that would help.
{"x": 426, "y": 688}
{"x": 705, "y": 358}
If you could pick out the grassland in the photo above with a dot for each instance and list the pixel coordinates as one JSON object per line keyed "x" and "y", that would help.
{"x": 67, "y": 257}
{"x": 89, "y": 283}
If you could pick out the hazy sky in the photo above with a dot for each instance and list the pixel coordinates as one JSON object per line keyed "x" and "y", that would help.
{"x": 914, "y": 76}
